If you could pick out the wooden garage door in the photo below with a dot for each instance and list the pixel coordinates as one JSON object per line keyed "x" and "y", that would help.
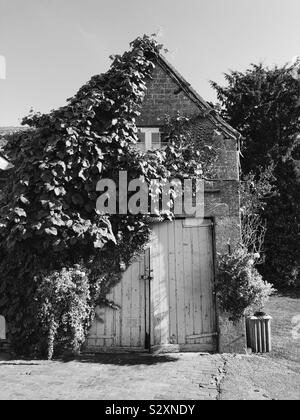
{"x": 182, "y": 291}
{"x": 166, "y": 296}
{"x": 126, "y": 329}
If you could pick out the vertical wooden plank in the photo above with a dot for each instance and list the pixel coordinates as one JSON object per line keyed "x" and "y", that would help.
{"x": 199, "y": 302}
{"x": 201, "y": 262}
{"x": 129, "y": 298}
{"x": 141, "y": 293}
{"x": 188, "y": 280}
{"x": 164, "y": 283}
{"x": 121, "y": 313}
{"x": 209, "y": 298}
{"x": 126, "y": 307}
{"x": 147, "y": 292}
{"x": 101, "y": 317}
{"x": 153, "y": 291}
{"x": 173, "y": 327}
{"x": 118, "y": 314}
{"x": 93, "y": 329}
{"x": 205, "y": 281}
{"x": 90, "y": 342}
{"x": 157, "y": 270}
{"x": 155, "y": 284}
{"x": 180, "y": 281}
{"x": 109, "y": 320}
{"x": 135, "y": 304}
{"x": 212, "y": 314}
{"x": 196, "y": 274}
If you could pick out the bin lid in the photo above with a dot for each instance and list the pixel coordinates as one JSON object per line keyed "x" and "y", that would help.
{"x": 260, "y": 317}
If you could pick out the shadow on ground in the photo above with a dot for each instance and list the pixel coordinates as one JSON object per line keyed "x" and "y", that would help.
{"x": 130, "y": 359}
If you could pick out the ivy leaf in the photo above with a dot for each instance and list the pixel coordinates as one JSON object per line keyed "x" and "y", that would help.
{"x": 20, "y": 212}
{"x": 36, "y": 226}
{"x": 51, "y": 231}
{"x": 81, "y": 174}
{"x": 59, "y": 191}
{"x": 78, "y": 228}
{"x": 70, "y": 131}
{"x": 23, "y": 199}
{"x": 98, "y": 243}
{"x": 49, "y": 187}
{"x": 57, "y": 221}
{"x": 100, "y": 167}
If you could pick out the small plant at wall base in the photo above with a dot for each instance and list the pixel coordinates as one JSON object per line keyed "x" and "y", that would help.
{"x": 240, "y": 288}
{"x": 64, "y": 300}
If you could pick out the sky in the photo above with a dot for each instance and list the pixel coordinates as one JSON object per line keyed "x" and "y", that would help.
{"x": 52, "y": 47}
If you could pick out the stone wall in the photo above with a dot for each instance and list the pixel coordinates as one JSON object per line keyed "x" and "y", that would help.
{"x": 163, "y": 97}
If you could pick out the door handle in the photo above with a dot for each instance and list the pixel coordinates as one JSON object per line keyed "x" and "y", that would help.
{"x": 147, "y": 277}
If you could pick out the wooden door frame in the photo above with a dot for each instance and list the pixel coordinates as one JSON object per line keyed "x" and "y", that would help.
{"x": 147, "y": 281}
{"x": 215, "y": 299}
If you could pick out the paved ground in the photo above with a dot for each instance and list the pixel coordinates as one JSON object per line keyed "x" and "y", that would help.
{"x": 188, "y": 376}
{"x": 124, "y": 377}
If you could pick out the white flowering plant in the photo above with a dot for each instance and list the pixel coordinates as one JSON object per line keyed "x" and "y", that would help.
{"x": 240, "y": 288}
{"x": 64, "y": 298}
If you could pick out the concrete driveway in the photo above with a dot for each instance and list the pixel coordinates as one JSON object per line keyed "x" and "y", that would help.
{"x": 136, "y": 377}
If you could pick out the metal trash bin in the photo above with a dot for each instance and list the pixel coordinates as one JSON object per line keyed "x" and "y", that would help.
{"x": 258, "y": 329}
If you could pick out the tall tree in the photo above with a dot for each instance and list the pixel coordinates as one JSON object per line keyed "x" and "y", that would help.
{"x": 263, "y": 104}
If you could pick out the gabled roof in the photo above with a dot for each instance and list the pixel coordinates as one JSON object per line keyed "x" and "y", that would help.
{"x": 207, "y": 110}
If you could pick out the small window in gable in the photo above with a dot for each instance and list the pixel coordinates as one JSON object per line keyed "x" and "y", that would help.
{"x": 150, "y": 138}
{"x": 156, "y": 140}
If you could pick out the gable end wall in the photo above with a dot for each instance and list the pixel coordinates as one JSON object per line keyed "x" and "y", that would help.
{"x": 163, "y": 97}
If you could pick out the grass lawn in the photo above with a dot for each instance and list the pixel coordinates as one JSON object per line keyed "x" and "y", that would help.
{"x": 285, "y": 333}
